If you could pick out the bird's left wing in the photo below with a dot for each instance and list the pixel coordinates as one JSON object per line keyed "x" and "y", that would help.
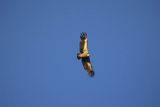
{"x": 88, "y": 66}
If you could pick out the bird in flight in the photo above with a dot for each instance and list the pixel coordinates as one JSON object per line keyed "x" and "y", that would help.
{"x": 84, "y": 54}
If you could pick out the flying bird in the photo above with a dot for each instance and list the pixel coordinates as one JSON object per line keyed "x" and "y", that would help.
{"x": 84, "y": 54}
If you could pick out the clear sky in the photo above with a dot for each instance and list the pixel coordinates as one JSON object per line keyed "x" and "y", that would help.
{"x": 39, "y": 40}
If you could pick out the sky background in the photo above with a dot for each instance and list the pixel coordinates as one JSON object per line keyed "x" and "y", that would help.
{"x": 39, "y": 40}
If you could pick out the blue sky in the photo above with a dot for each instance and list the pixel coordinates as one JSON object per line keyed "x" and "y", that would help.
{"x": 39, "y": 40}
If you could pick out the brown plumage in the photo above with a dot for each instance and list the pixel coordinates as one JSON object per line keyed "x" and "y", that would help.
{"x": 84, "y": 54}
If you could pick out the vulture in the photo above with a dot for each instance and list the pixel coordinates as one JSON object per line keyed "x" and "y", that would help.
{"x": 84, "y": 54}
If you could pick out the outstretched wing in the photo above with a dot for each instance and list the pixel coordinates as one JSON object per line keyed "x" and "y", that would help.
{"x": 84, "y": 43}
{"x": 84, "y": 47}
{"x": 88, "y": 66}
